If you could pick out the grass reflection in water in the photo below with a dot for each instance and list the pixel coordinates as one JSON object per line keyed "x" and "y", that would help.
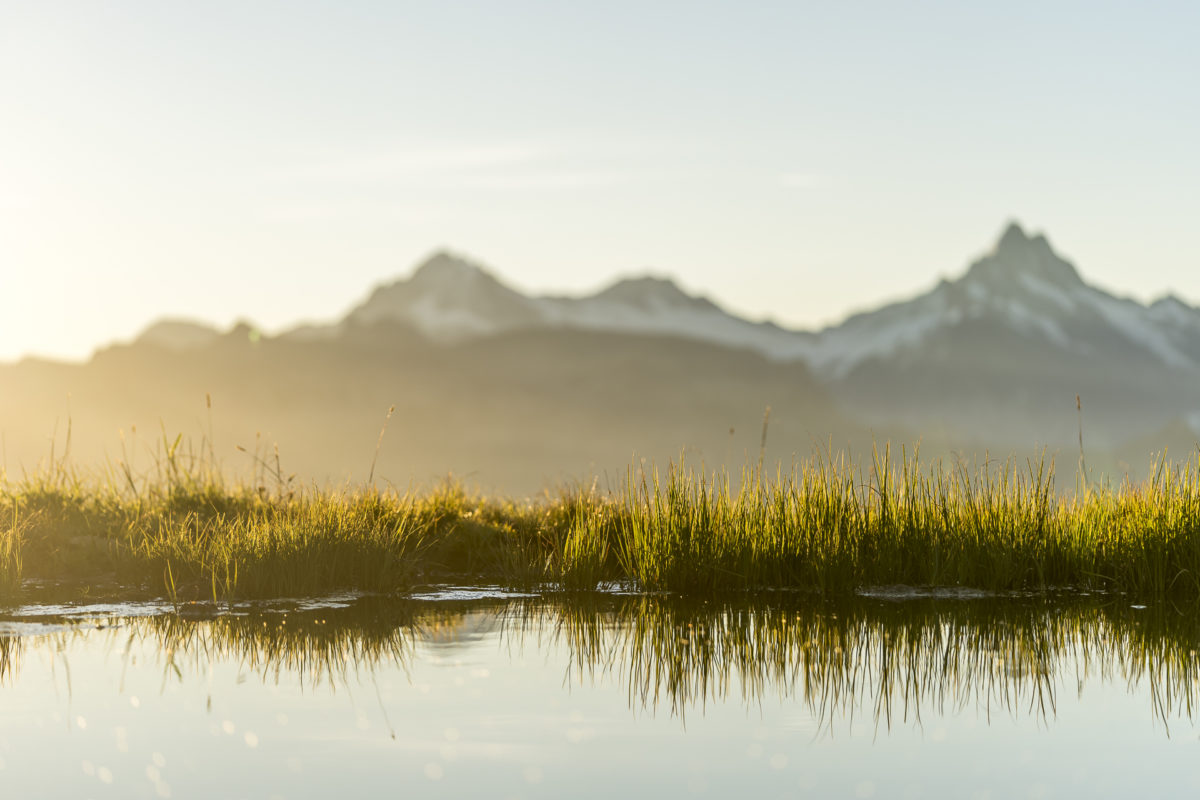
{"x": 891, "y": 661}
{"x": 894, "y": 660}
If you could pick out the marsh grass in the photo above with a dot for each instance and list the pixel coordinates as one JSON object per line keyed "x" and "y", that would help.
{"x": 827, "y": 526}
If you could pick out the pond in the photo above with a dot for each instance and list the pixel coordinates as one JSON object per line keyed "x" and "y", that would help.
{"x": 476, "y": 692}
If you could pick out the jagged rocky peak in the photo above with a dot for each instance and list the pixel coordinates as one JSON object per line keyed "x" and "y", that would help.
{"x": 1015, "y": 238}
{"x": 1019, "y": 256}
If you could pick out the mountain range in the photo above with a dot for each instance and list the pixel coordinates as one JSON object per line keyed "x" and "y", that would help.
{"x": 992, "y": 359}
{"x": 1012, "y": 339}
{"x": 1022, "y": 285}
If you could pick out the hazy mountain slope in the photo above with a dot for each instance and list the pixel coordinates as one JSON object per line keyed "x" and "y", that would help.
{"x": 179, "y": 334}
{"x": 516, "y": 412}
{"x": 1178, "y": 439}
{"x": 560, "y": 385}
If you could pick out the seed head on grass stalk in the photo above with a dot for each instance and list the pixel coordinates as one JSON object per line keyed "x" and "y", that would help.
{"x": 378, "y": 444}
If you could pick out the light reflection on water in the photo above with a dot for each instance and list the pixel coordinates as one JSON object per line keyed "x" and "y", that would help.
{"x": 628, "y": 695}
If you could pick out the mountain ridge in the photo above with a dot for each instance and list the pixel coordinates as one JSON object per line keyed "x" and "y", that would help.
{"x": 1021, "y": 283}
{"x": 522, "y": 387}
{"x": 1021, "y": 280}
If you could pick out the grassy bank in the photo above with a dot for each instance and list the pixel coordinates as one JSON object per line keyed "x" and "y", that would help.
{"x": 827, "y": 526}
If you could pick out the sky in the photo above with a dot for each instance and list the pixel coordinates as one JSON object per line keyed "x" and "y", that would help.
{"x": 795, "y": 161}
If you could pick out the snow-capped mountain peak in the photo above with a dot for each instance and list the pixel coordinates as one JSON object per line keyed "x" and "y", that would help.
{"x": 1021, "y": 286}
{"x": 448, "y": 298}
{"x": 445, "y": 268}
{"x": 651, "y": 292}
{"x": 1018, "y": 257}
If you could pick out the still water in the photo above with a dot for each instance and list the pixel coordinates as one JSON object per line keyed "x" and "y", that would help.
{"x": 480, "y": 694}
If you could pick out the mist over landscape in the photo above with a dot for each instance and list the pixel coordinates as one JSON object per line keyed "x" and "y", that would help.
{"x": 516, "y": 394}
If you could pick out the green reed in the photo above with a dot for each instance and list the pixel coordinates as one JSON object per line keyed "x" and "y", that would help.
{"x": 827, "y": 526}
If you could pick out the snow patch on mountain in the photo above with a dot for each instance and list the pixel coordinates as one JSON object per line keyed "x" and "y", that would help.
{"x": 839, "y": 350}
{"x": 1172, "y": 311}
{"x": 659, "y": 306}
{"x": 1028, "y": 321}
{"x": 1049, "y": 291}
{"x": 1133, "y": 321}
{"x": 445, "y": 322}
{"x": 449, "y": 299}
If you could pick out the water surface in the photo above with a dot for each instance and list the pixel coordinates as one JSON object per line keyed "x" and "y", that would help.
{"x": 476, "y": 693}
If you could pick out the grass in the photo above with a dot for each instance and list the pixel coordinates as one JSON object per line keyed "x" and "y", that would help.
{"x": 827, "y": 526}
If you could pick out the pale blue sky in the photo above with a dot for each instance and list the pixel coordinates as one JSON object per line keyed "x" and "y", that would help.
{"x": 792, "y": 160}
